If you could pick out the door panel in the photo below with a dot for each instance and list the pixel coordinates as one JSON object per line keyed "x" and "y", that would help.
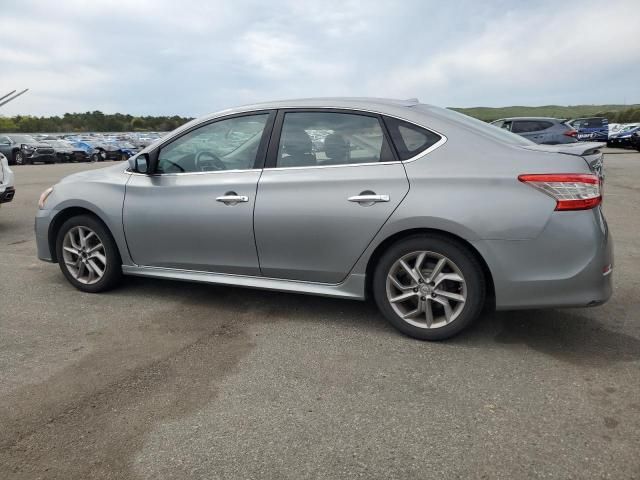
{"x": 307, "y": 229}
{"x": 176, "y": 221}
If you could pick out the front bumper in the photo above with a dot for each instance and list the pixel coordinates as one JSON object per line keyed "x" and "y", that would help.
{"x": 36, "y": 157}
{"x": 42, "y": 222}
{"x": 7, "y": 194}
{"x": 620, "y": 142}
{"x": 568, "y": 265}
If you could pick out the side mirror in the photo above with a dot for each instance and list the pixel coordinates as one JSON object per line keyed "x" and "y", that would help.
{"x": 140, "y": 163}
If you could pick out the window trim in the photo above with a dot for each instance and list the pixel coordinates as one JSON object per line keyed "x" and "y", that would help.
{"x": 260, "y": 155}
{"x": 275, "y": 139}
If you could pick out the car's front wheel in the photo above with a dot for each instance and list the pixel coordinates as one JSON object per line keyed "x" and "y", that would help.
{"x": 88, "y": 255}
{"x": 19, "y": 158}
{"x": 429, "y": 287}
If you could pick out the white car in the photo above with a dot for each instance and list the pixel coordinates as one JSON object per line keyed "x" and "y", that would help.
{"x": 7, "y": 188}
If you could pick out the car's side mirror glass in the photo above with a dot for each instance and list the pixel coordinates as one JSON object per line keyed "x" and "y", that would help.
{"x": 140, "y": 163}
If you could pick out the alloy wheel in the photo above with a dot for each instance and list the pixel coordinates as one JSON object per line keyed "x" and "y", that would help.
{"x": 84, "y": 255}
{"x": 426, "y": 289}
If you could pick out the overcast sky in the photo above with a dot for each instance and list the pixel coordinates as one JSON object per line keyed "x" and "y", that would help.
{"x": 193, "y": 57}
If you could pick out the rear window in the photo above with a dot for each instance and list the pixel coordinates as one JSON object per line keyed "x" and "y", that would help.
{"x": 410, "y": 139}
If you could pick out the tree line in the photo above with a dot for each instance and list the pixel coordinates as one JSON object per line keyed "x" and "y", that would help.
{"x": 97, "y": 121}
{"x": 90, "y": 122}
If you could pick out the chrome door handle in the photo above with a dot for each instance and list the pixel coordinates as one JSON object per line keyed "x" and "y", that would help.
{"x": 369, "y": 198}
{"x": 232, "y": 199}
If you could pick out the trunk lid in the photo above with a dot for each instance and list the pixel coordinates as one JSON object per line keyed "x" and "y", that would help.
{"x": 589, "y": 151}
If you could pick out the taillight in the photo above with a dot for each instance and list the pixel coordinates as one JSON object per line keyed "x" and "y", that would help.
{"x": 572, "y": 191}
{"x": 570, "y": 133}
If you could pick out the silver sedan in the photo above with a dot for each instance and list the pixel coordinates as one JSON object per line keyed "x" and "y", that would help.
{"x": 433, "y": 214}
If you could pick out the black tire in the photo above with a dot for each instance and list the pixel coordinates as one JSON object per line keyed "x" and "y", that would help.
{"x": 18, "y": 158}
{"x": 113, "y": 271}
{"x": 95, "y": 157}
{"x": 468, "y": 265}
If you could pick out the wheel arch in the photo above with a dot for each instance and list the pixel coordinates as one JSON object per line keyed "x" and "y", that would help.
{"x": 401, "y": 235}
{"x": 63, "y": 216}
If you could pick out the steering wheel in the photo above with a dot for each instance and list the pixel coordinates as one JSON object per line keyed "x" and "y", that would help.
{"x": 207, "y": 161}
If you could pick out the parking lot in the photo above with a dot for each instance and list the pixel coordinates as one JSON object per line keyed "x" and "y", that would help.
{"x": 161, "y": 379}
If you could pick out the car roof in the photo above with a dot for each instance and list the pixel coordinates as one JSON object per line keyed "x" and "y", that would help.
{"x": 381, "y": 105}
{"x": 553, "y": 119}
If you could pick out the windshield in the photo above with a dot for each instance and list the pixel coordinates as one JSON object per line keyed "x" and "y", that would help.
{"x": 487, "y": 129}
{"x": 23, "y": 138}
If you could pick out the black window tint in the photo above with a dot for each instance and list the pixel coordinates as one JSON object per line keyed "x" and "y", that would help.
{"x": 526, "y": 126}
{"x": 408, "y": 138}
{"x": 331, "y": 138}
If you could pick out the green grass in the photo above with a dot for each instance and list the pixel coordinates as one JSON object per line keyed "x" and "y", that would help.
{"x": 612, "y": 112}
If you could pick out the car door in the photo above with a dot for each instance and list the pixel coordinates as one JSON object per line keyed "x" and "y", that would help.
{"x": 195, "y": 212}
{"x": 331, "y": 181}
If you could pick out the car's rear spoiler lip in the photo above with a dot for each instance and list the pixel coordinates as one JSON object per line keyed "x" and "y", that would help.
{"x": 579, "y": 149}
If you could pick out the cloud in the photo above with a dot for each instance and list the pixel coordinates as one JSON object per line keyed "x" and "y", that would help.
{"x": 192, "y": 57}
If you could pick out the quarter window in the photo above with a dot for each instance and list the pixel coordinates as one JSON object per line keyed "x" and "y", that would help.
{"x": 329, "y": 138}
{"x": 410, "y": 139}
{"x": 230, "y": 144}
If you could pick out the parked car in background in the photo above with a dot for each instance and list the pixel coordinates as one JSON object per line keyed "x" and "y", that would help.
{"x": 64, "y": 150}
{"x": 7, "y": 187}
{"x": 592, "y": 129}
{"x": 624, "y": 138}
{"x": 21, "y": 149}
{"x": 635, "y": 140}
{"x": 421, "y": 207}
{"x": 615, "y": 128}
{"x": 83, "y": 152}
{"x": 118, "y": 149}
{"x": 543, "y": 130}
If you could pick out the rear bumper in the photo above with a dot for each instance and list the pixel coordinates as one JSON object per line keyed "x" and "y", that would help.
{"x": 569, "y": 265}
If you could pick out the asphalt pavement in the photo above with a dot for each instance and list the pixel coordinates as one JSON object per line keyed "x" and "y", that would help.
{"x": 169, "y": 380}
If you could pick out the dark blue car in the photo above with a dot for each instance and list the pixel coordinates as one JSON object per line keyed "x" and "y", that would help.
{"x": 592, "y": 129}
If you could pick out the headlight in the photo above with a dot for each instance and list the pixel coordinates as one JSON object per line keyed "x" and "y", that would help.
{"x": 43, "y": 197}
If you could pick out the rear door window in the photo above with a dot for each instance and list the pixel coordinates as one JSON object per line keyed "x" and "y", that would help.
{"x": 410, "y": 139}
{"x": 525, "y": 126}
{"x": 317, "y": 138}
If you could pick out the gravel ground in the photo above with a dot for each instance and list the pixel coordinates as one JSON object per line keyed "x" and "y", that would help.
{"x": 160, "y": 379}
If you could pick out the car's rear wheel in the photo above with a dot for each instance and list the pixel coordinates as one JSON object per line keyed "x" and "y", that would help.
{"x": 88, "y": 255}
{"x": 429, "y": 287}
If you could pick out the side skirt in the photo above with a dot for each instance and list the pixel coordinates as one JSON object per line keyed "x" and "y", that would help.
{"x": 352, "y": 287}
